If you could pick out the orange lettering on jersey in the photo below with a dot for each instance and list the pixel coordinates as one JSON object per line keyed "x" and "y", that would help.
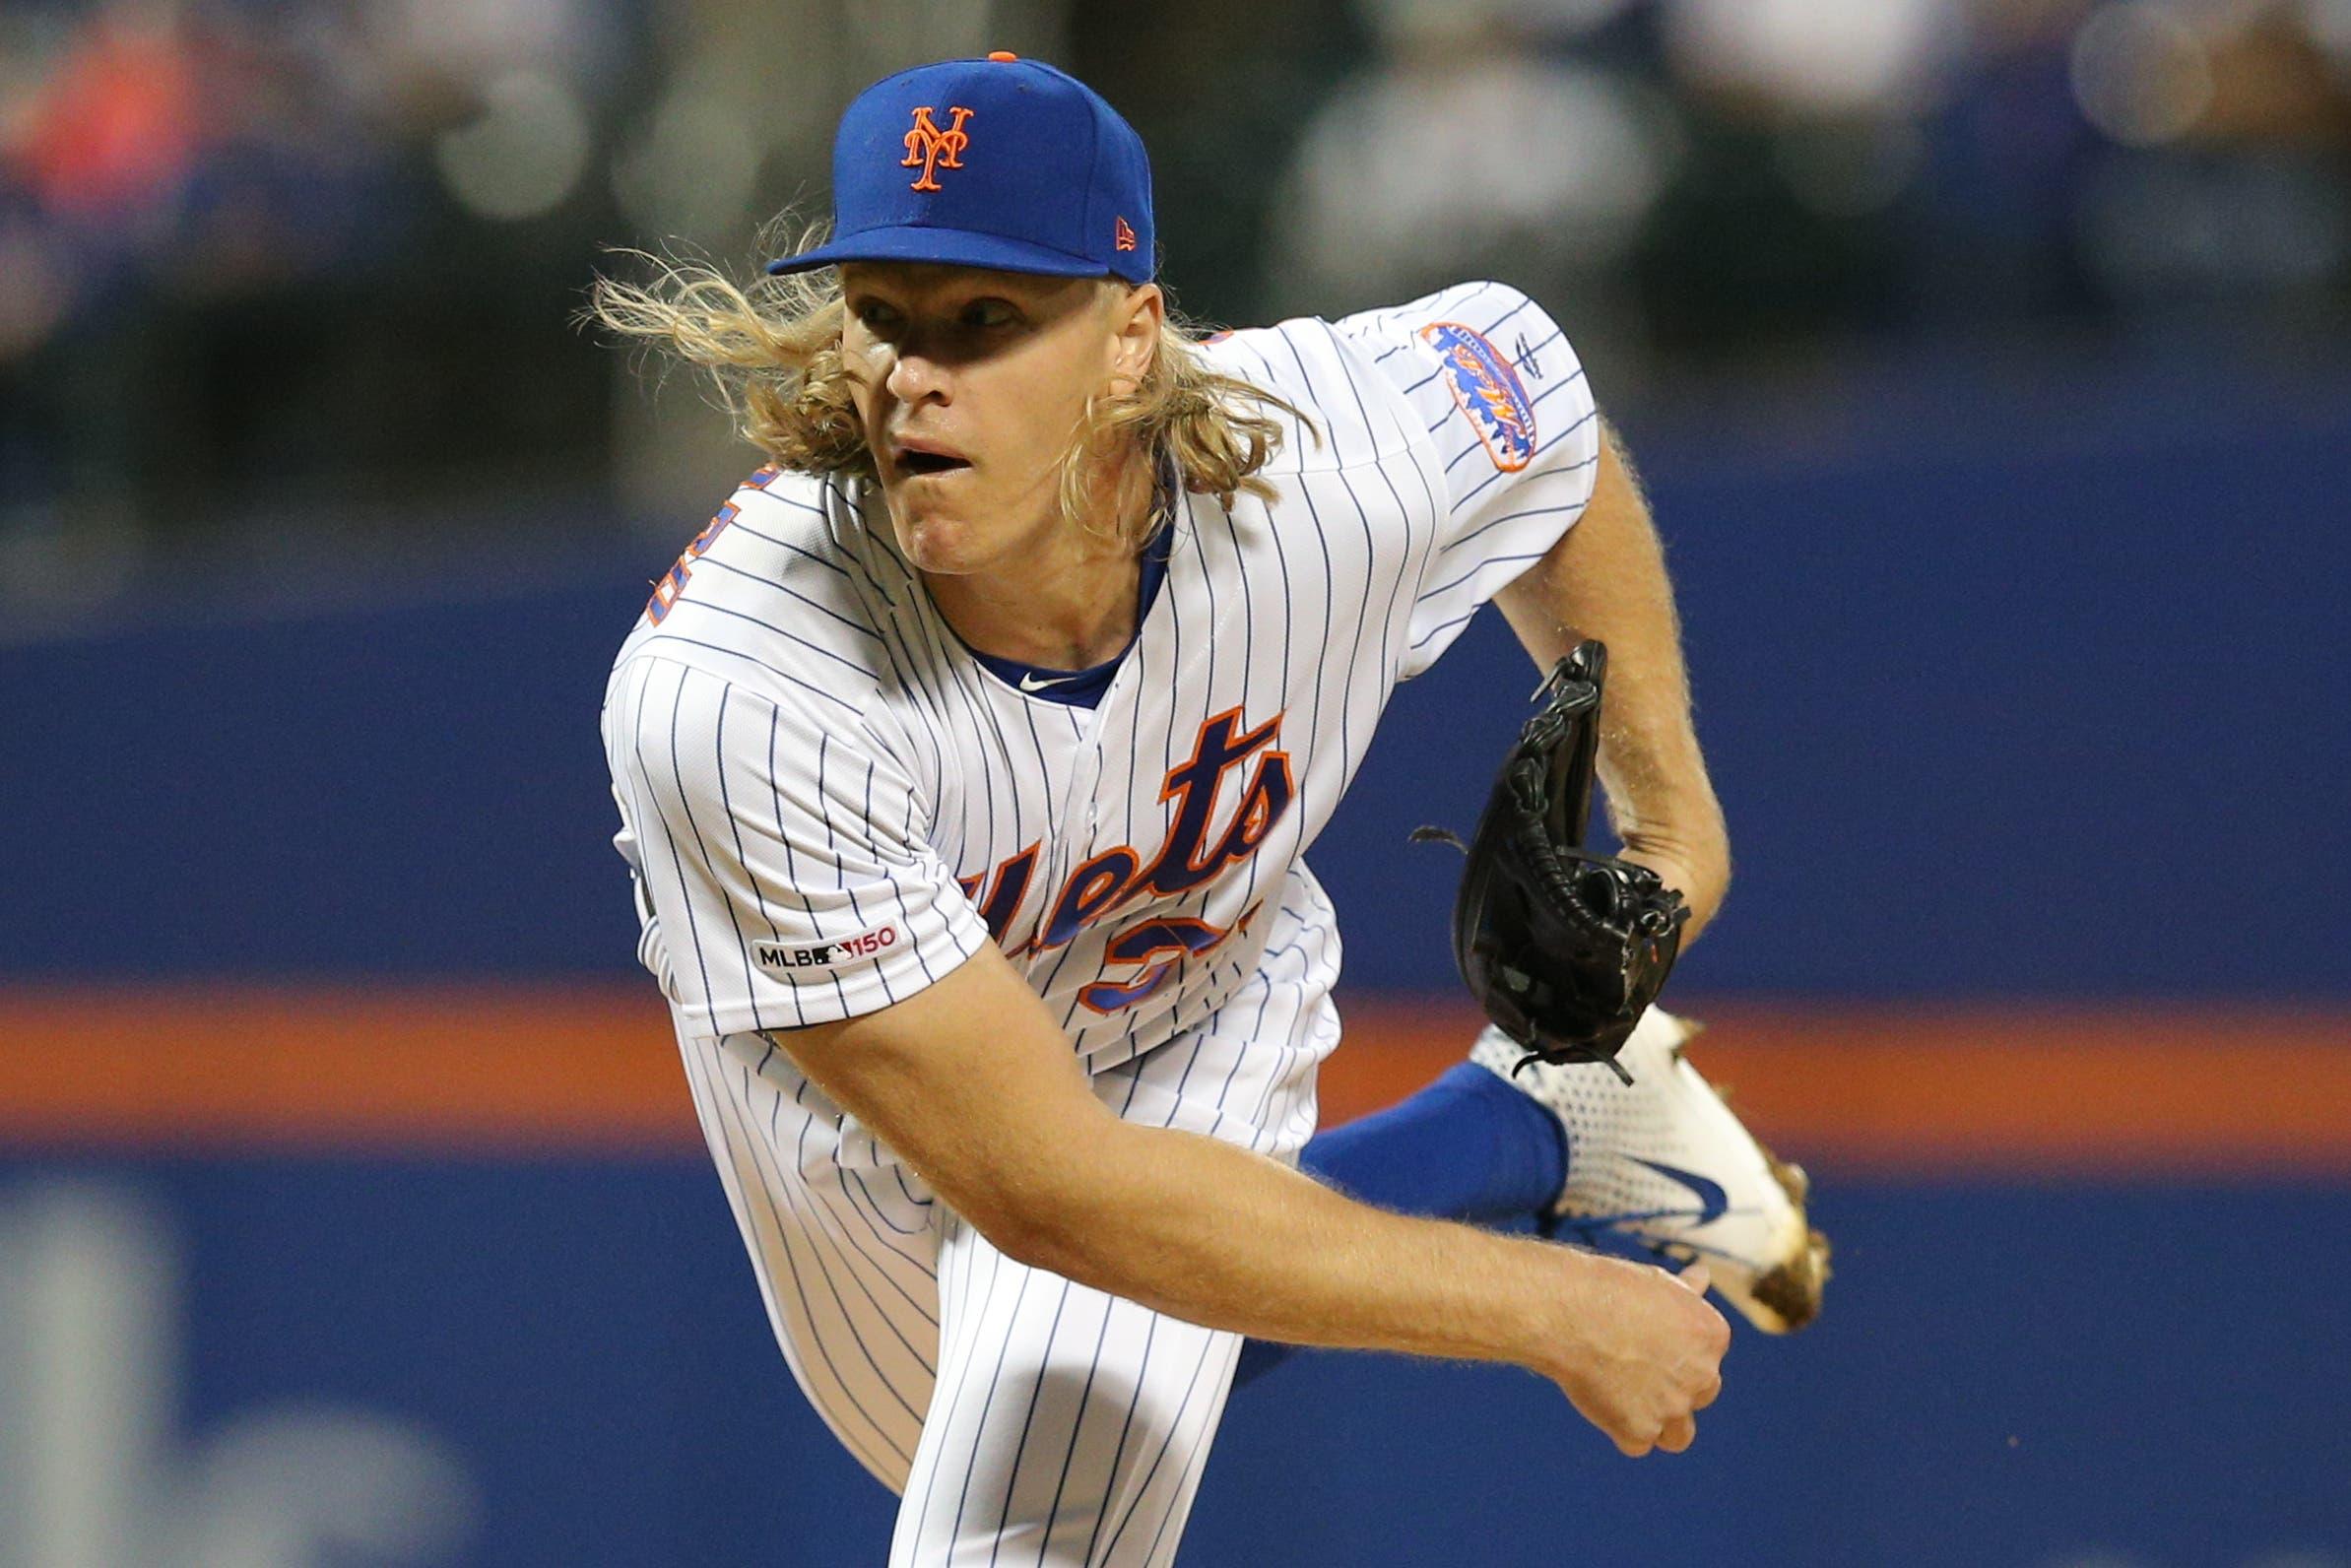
{"x": 1193, "y": 785}
{"x": 1179, "y": 937}
{"x": 930, "y": 149}
{"x": 1190, "y": 856}
{"x": 1123, "y": 235}
{"x": 1098, "y": 885}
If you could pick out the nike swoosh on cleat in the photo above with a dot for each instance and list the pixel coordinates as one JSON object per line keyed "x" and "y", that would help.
{"x": 1712, "y": 1202}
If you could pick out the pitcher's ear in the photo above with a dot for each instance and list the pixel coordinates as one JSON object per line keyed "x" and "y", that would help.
{"x": 1140, "y": 316}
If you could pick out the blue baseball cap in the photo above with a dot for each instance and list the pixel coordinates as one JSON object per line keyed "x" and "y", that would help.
{"x": 999, "y": 163}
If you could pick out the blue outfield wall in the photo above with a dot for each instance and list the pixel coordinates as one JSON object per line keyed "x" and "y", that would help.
{"x": 517, "y": 1364}
{"x": 1981, "y": 704}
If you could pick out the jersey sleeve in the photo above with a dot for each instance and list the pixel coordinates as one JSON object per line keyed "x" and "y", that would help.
{"x": 1505, "y": 402}
{"x": 780, "y": 872}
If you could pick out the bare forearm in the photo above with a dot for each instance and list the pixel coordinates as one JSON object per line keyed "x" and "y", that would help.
{"x": 1606, "y": 579}
{"x": 1216, "y": 1235}
{"x": 970, "y": 1080}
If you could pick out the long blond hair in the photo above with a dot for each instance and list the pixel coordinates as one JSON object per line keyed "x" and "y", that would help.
{"x": 773, "y": 352}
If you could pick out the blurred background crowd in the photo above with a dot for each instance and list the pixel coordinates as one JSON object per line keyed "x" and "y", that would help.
{"x": 260, "y": 254}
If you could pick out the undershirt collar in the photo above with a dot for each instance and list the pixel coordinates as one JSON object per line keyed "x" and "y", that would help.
{"x": 1084, "y": 688}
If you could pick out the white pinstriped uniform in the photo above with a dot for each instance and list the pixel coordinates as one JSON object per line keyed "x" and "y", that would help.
{"x": 827, "y": 802}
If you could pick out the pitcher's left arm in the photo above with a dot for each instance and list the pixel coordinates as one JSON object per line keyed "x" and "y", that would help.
{"x": 1605, "y": 578}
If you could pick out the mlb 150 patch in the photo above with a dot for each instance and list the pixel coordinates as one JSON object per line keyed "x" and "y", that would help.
{"x": 1487, "y": 387}
{"x": 787, "y": 957}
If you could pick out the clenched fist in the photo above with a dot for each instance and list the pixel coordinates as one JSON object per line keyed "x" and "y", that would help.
{"x": 1642, "y": 1351}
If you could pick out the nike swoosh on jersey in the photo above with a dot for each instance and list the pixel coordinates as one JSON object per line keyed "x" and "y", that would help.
{"x": 1030, "y": 683}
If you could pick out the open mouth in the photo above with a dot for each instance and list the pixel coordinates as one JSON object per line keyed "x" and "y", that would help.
{"x": 919, "y": 463}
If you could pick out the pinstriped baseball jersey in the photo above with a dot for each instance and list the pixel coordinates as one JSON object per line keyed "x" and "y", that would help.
{"x": 829, "y": 802}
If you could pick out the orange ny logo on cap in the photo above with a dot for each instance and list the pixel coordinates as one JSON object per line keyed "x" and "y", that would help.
{"x": 929, "y": 148}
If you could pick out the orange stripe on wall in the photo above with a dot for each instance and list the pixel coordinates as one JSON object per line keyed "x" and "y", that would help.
{"x": 520, "y": 1067}
{"x": 590, "y": 1068}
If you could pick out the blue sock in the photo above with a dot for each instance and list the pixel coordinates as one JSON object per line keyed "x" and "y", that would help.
{"x": 1468, "y": 1146}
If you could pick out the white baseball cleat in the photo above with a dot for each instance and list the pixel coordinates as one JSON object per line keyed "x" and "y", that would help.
{"x": 1664, "y": 1160}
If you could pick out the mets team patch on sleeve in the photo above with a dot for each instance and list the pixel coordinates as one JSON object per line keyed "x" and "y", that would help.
{"x": 1487, "y": 387}
{"x": 788, "y": 957}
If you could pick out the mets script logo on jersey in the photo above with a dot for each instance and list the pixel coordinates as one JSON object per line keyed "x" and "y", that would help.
{"x": 790, "y": 957}
{"x": 1487, "y": 388}
{"x": 929, "y": 149}
{"x": 1194, "y": 852}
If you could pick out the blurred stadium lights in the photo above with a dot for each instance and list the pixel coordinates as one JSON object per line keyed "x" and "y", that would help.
{"x": 1841, "y": 87}
{"x": 2329, "y": 22}
{"x": 473, "y": 41}
{"x": 1418, "y": 132}
{"x": 2229, "y": 116}
{"x": 691, "y": 172}
{"x": 209, "y": 208}
{"x": 1531, "y": 19}
{"x": 2140, "y": 72}
{"x": 525, "y": 152}
{"x": 1820, "y": 57}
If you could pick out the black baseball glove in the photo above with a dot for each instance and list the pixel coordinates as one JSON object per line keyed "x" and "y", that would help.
{"x": 1563, "y": 948}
